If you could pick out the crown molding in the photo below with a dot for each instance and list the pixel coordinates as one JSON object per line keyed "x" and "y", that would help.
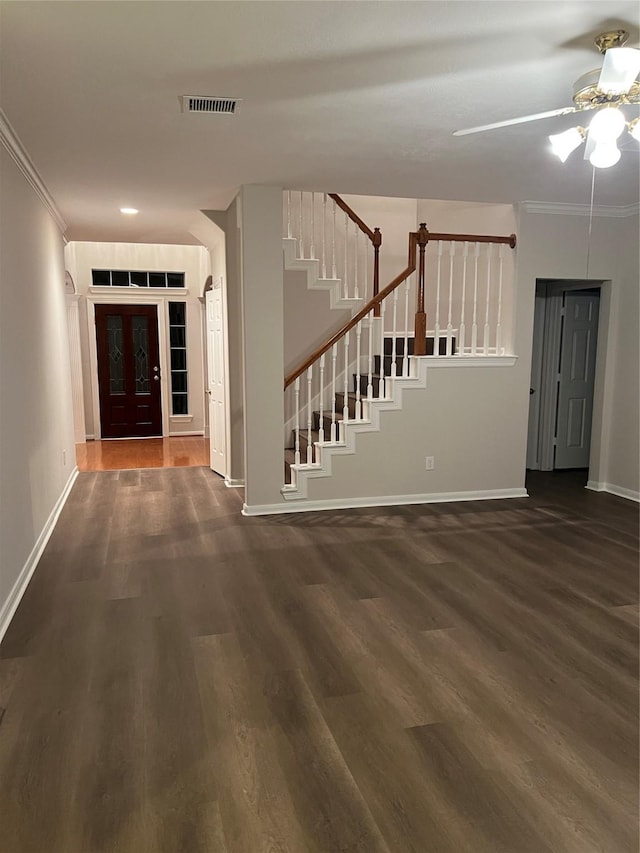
{"x": 16, "y": 149}
{"x": 563, "y": 209}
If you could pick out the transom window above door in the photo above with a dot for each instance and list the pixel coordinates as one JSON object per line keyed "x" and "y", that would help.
{"x": 136, "y": 278}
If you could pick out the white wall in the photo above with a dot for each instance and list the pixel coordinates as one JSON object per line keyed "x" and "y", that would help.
{"x": 555, "y": 246}
{"x": 464, "y": 419}
{"x": 37, "y": 454}
{"x": 82, "y": 257}
{"x": 260, "y": 216}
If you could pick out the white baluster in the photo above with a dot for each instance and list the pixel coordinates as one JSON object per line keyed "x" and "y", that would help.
{"x": 321, "y": 413}
{"x": 358, "y": 403}
{"x": 499, "y": 347}
{"x": 324, "y": 235}
{"x": 394, "y": 369}
{"x": 436, "y": 338}
{"x": 486, "y": 315}
{"x": 288, "y": 213}
{"x": 334, "y": 359}
{"x": 355, "y": 268}
{"x": 370, "y": 358}
{"x": 345, "y": 402}
{"x": 334, "y": 272}
{"x": 448, "y": 349}
{"x": 301, "y": 235}
{"x": 365, "y": 295}
{"x": 474, "y": 324}
{"x": 383, "y": 308}
{"x": 312, "y": 253}
{"x": 462, "y": 330}
{"x": 345, "y": 284}
{"x": 405, "y": 350}
{"x": 297, "y": 421}
{"x": 309, "y": 416}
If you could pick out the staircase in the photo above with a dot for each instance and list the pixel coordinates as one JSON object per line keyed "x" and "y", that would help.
{"x": 364, "y": 369}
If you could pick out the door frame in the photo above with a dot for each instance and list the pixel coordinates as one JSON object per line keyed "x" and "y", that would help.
{"x": 120, "y": 298}
{"x": 542, "y": 434}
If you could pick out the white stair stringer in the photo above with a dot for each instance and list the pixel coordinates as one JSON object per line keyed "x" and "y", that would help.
{"x": 394, "y": 388}
{"x": 311, "y": 266}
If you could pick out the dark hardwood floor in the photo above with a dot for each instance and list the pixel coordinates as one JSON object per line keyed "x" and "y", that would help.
{"x": 450, "y": 678}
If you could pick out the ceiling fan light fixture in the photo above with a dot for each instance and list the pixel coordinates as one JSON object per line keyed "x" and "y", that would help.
{"x": 604, "y": 155}
{"x": 562, "y": 144}
{"x": 607, "y": 125}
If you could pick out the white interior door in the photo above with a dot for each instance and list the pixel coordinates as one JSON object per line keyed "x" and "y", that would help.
{"x": 216, "y": 374}
{"x": 576, "y": 382}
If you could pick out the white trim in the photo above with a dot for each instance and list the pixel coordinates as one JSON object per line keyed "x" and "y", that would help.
{"x": 190, "y": 432}
{"x": 186, "y": 419}
{"x": 133, "y": 294}
{"x": 470, "y": 360}
{"x": 311, "y": 266}
{"x": 17, "y": 151}
{"x": 230, "y": 483}
{"x": 561, "y": 208}
{"x": 15, "y": 596}
{"x": 90, "y": 437}
{"x": 619, "y": 491}
{"x": 383, "y": 500}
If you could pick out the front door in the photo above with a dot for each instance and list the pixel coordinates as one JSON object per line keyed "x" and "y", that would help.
{"x": 128, "y": 371}
{"x": 576, "y": 379}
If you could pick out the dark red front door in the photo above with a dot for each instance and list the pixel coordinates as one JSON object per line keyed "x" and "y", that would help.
{"x": 128, "y": 370}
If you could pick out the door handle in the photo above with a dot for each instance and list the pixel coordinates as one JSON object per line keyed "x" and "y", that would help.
{"x": 156, "y": 377}
{"x": 532, "y": 391}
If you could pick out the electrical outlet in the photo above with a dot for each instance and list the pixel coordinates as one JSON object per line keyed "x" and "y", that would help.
{"x": 430, "y": 463}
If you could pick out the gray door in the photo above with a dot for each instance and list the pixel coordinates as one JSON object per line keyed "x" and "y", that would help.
{"x": 576, "y": 379}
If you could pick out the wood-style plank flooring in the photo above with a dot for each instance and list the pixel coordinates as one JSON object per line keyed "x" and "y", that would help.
{"x": 126, "y": 453}
{"x": 451, "y": 678}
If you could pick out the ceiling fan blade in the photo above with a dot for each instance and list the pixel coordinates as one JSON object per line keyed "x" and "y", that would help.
{"x": 619, "y": 69}
{"x": 520, "y": 120}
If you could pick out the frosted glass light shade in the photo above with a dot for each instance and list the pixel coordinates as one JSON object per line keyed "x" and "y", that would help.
{"x": 604, "y": 155}
{"x": 562, "y": 144}
{"x": 607, "y": 125}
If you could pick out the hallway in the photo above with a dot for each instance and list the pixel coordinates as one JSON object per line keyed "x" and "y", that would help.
{"x": 442, "y": 678}
{"x": 121, "y": 454}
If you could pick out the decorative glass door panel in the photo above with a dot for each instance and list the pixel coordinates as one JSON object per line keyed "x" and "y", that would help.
{"x": 128, "y": 370}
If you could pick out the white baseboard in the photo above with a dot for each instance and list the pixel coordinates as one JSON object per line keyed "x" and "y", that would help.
{"x": 11, "y": 604}
{"x": 384, "y": 500}
{"x": 619, "y": 491}
{"x": 230, "y": 483}
{"x": 190, "y": 432}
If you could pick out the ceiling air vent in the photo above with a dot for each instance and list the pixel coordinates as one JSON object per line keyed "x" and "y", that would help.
{"x": 206, "y": 104}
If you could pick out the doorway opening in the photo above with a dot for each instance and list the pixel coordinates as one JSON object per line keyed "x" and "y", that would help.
{"x": 563, "y": 370}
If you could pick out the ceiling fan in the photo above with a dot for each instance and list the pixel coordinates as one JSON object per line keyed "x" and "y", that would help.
{"x": 604, "y": 90}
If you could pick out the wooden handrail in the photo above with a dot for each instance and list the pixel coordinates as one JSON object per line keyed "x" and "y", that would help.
{"x": 362, "y": 313}
{"x": 472, "y": 238}
{"x": 353, "y": 216}
{"x": 418, "y": 238}
{"x": 376, "y": 240}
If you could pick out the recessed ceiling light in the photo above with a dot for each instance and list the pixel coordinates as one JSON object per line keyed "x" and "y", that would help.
{"x": 130, "y": 211}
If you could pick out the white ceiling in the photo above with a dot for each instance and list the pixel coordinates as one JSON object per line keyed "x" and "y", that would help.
{"x": 352, "y": 97}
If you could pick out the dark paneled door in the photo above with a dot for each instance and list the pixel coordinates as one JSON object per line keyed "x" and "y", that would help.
{"x": 128, "y": 370}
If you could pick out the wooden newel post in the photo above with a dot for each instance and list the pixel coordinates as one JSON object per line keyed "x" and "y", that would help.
{"x": 377, "y": 242}
{"x": 420, "y": 339}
